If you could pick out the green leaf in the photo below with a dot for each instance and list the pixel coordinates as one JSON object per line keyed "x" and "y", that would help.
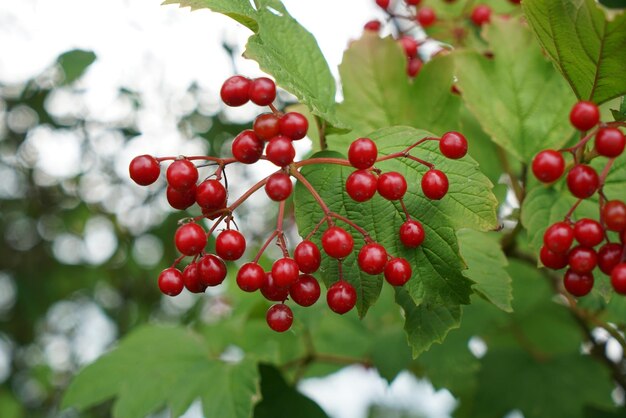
{"x": 586, "y": 45}
{"x": 518, "y": 97}
{"x": 9, "y": 406}
{"x": 620, "y": 114}
{"x": 239, "y": 10}
{"x": 74, "y": 64}
{"x": 390, "y": 353}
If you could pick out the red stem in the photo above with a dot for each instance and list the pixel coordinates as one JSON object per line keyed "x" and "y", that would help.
{"x": 362, "y": 231}
{"x": 265, "y": 245}
{"x": 294, "y": 172}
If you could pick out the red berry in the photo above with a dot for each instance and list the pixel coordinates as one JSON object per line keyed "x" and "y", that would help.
{"x": 372, "y": 25}
{"x": 271, "y": 291}
{"x": 235, "y": 91}
{"x": 582, "y": 181}
{"x": 614, "y": 215}
{"x": 182, "y": 175}
{"x": 247, "y": 148}
{"x": 337, "y": 242}
{"x": 262, "y": 91}
{"x": 293, "y": 125}
{"x": 434, "y": 184}
{"x": 362, "y": 153}
{"x": 559, "y": 237}
{"x": 548, "y": 166}
{"x": 250, "y": 277}
{"x": 280, "y": 151}
{"x": 191, "y": 278}
{"x": 426, "y": 17}
{"x": 305, "y": 291}
{"x": 610, "y": 142}
{"x": 211, "y": 195}
{"x": 341, "y": 297}
{"x": 361, "y": 185}
{"x": 578, "y": 284}
{"x": 213, "y": 214}
{"x": 212, "y": 270}
{"x": 285, "y": 272}
{"x": 609, "y": 255}
{"x": 588, "y": 232}
{"x": 582, "y": 259}
{"x": 190, "y": 239}
{"x": 266, "y": 126}
{"x": 383, "y": 4}
{"x": 230, "y": 245}
{"x": 308, "y": 257}
{"x": 171, "y": 282}
{"x": 279, "y": 317}
{"x": 413, "y": 2}
{"x": 515, "y": 1}
{"x": 412, "y": 233}
{"x": 453, "y": 145}
{"x": 413, "y": 67}
{"x": 552, "y": 260}
{"x": 372, "y": 258}
{"x": 144, "y": 170}
{"x": 398, "y": 271}
{"x": 409, "y": 44}
{"x": 392, "y": 185}
{"x": 618, "y": 278}
{"x": 278, "y": 186}
{"x": 181, "y": 200}
{"x": 584, "y": 115}
{"x": 481, "y": 14}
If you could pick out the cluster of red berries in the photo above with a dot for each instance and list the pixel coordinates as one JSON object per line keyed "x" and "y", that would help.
{"x": 290, "y": 277}
{"x": 583, "y": 182}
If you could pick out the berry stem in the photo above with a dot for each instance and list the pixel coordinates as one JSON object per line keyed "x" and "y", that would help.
{"x": 274, "y": 110}
{"x": 407, "y": 215}
{"x": 178, "y": 260}
{"x": 316, "y": 228}
{"x": 294, "y": 172}
{"x": 279, "y": 229}
{"x": 265, "y": 245}
{"x": 323, "y": 160}
{"x": 362, "y": 231}
{"x": 570, "y": 212}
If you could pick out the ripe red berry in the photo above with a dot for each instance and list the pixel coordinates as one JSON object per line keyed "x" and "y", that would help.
{"x": 235, "y": 91}
{"x": 279, "y": 317}
{"x": 285, "y": 272}
{"x": 341, "y": 297}
{"x": 191, "y": 278}
{"x": 293, "y": 125}
{"x": 453, "y": 145}
{"x": 212, "y": 270}
{"x": 481, "y": 14}
{"x": 211, "y": 195}
{"x": 584, "y": 115}
{"x": 426, "y": 17}
{"x": 144, "y": 170}
{"x": 337, "y": 242}
{"x": 610, "y": 142}
{"x": 250, "y": 277}
{"x": 372, "y": 258}
{"x": 361, "y": 185}
{"x": 413, "y": 2}
{"x": 181, "y": 200}
{"x": 362, "y": 153}
{"x": 392, "y": 185}
{"x": 548, "y": 166}
{"x": 412, "y": 233}
{"x": 409, "y": 45}
{"x": 247, "y": 148}
{"x": 559, "y": 237}
{"x": 434, "y": 184}
{"x": 171, "y": 282}
{"x": 262, "y": 91}
{"x": 618, "y": 278}
{"x": 398, "y": 271}
{"x": 280, "y": 151}
{"x": 582, "y": 181}
{"x": 614, "y": 215}
{"x": 278, "y": 186}
{"x": 308, "y": 257}
{"x": 515, "y": 1}
{"x": 190, "y": 239}
{"x": 383, "y": 4}
{"x": 413, "y": 67}
{"x": 271, "y": 291}
{"x": 266, "y": 126}
{"x": 552, "y": 260}
{"x": 588, "y": 232}
{"x": 372, "y": 25}
{"x": 182, "y": 174}
{"x": 582, "y": 259}
{"x": 305, "y": 291}
{"x": 230, "y": 245}
{"x": 578, "y": 284}
{"x": 609, "y": 255}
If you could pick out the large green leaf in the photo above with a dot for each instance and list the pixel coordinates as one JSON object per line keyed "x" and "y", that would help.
{"x": 586, "y": 44}
{"x": 239, "y": 10}
{"x": 518, "y": 97}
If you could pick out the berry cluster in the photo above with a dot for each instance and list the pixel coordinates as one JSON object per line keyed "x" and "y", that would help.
{"x": 583, "y": 182}
{"x": 290, "y": 277}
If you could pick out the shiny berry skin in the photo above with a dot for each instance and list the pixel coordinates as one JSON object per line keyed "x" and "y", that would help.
{"x": 434, "y": 184}
{"x": 413, "y": 67}
{"x": 190, "y": 239}
{"x": 578, "y": 284}
{"x": 584, "y": 115}
{"x": 262, "y": 91}
{"x": 383, "y": 4}
{"x": 398, "y": 271}
{"x": 305, "y": 291}
{"x": 426, "y": 17}
{"x": 372, "y": 26}
{"x": 481, "y": 14}
{"x": 279, "y": 317}
{"x": 191, "y": 278}
{"x": 412, "y": 233}
{"x": 372, "y": 258}
{"x": 362, "y": 153}
{"x": 548, "y": 166}
{"x": 247, "y": 148}
{"x": 588, "y": 232}
{"x": 171, "y": 282}
{"x": 181, "y": 200}
{"x": 250, "y": 277}
{"x": 181, "y": 175}
{"x": 285, "y": 272}
{"x": 582, "y": 259}
{"x": 409, "y": 45}
{"x": 453, "y": 145}
{"x": 614, "y": 215}
{"x": 280, "y": 151}
{"x": 144, "y": 170}
{"x": 266, "y": 126}
{"x": 293, "y": 125}
{"x": 337, "y": 242}
{"x": 559, "y": 237}
{"x": 235, "y": 91}
{"x": 552, "y": 260}
{"x": 618, "y": 278}
{"x": 278, "y": 186}
{"x": 212, "y": 270}
{"x": 582, "y": 181}
{"x": 392, "y": 185}
{"x": 610, "y": 142}
{"x": 211, "y": 195}
{"x": 308, "y": 257}
{"x": 609, "y": 256}
{"x": 413, "y": 2}
{"x": 341, "y": 297}
{"x": 361, "y": 185}
{"x": 273, "y": 292}
{"x": 230, "y": 245}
